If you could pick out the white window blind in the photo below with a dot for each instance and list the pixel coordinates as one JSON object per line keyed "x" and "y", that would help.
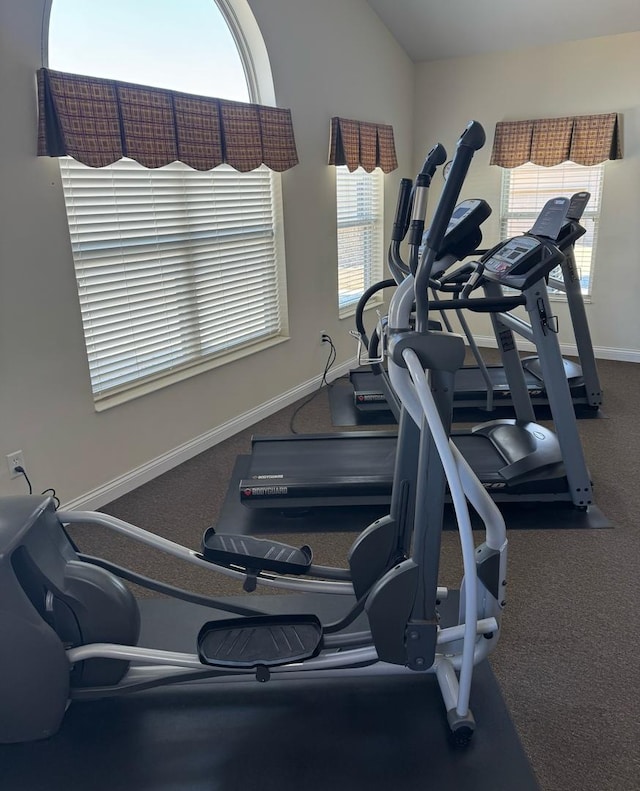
{"x": 173, "y": 265}
{"x": 527, "y": 188}
{"x": 360, "y": 233}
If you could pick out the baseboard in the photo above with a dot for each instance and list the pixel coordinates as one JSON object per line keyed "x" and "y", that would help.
{"x": 601, "y": 352}
{"x": 126, "y": 483}
{"x": 147, "y": 472}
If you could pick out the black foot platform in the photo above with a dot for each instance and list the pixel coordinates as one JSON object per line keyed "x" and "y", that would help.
{"x": 348, "y": 734}
{"x": 266, "y": 640}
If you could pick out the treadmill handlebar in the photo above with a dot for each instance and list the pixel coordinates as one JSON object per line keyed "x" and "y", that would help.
{"x": 459, "y": 275}
{"x": 475, "y": 280}
{"x": 569, "y": 234}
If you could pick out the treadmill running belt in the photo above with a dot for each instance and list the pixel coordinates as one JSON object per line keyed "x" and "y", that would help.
{"x": 326, "y": 457}
{"x": 470, "y": 378}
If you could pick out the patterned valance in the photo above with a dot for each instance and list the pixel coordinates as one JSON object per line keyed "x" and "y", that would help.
{"x": 583, "y": 139}
{"x": 98, "y": 122}
{"x": 359, "y": 143}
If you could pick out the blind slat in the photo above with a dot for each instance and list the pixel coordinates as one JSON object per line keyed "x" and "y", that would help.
{"x": 172, "y": 265}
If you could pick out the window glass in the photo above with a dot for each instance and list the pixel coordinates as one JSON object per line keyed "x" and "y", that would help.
{"x": 360, "y": 233}
{"x": 180, "y": 45}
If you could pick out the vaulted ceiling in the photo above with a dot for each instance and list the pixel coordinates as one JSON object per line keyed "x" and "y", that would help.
{"x": 434, "y": 29}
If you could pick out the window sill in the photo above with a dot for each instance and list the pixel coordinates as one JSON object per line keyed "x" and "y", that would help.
{"x": 102, "y": 403}
{"x": 346, "y": 313}
{"x": 586, "y": 298}
{"x": 350, "y": 310}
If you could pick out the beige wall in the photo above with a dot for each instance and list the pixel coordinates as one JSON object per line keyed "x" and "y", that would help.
{"x": 329, "y": 58}
{"x": 594, "y": 76}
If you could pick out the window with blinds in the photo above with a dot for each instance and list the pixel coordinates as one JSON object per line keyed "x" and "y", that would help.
{"x": 360, "y": 233}
{"x": 177, "y": 269}
{"x": 173, "y": 265}
{"x": 527, "y": 188}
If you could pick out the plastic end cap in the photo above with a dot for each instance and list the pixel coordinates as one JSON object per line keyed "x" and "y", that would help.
{"x": 474, "y": 136}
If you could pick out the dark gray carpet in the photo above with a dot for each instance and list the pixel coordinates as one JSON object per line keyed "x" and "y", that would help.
{"x": 568, "y": 663}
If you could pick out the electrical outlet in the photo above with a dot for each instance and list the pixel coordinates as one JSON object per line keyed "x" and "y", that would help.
{"x": 324, "y": 336}
{"x": 15, "y": 459}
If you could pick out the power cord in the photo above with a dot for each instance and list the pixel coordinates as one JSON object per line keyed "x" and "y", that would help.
{"x": 330, "y": 361}
{"x": 23, "y": 472}
{"x": 53, "y": 496}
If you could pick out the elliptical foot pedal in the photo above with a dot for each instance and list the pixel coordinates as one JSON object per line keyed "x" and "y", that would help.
{"x": 265, "y": 640}
{"x": 255, "y": 554}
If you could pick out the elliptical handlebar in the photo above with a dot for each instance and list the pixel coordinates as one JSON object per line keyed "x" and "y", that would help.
{"x": 397, "y": 266}
{"x": 435, "y": 157}
{"x": 471, "y": 140}
{"x": 403, "y": 211}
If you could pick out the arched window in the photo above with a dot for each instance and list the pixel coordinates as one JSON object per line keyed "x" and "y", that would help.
{"x": 178, "y": 270}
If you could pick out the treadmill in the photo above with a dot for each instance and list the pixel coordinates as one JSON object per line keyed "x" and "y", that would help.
{"x": 485, "y": 386}
{"x": 517, "y": 460}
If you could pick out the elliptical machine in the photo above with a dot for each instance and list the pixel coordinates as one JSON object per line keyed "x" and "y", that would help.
{"x": 70, "y": 626}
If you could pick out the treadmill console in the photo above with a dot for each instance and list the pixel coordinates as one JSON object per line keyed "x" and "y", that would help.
{"x": 559, "y": 217}
{"x": 521, "y": 261}
{"x": 577, "y": 205}
{"x": 552, "y": 218}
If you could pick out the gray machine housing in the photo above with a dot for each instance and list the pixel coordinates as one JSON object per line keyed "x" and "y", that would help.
{"x": 49, "y": 599}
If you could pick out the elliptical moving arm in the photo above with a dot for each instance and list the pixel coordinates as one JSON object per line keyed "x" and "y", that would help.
{"x": 472, "y": 139}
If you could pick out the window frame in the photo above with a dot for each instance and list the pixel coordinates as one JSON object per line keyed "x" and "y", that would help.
{"x": 371, "y": 225}
{"x": 253, "y": 55}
